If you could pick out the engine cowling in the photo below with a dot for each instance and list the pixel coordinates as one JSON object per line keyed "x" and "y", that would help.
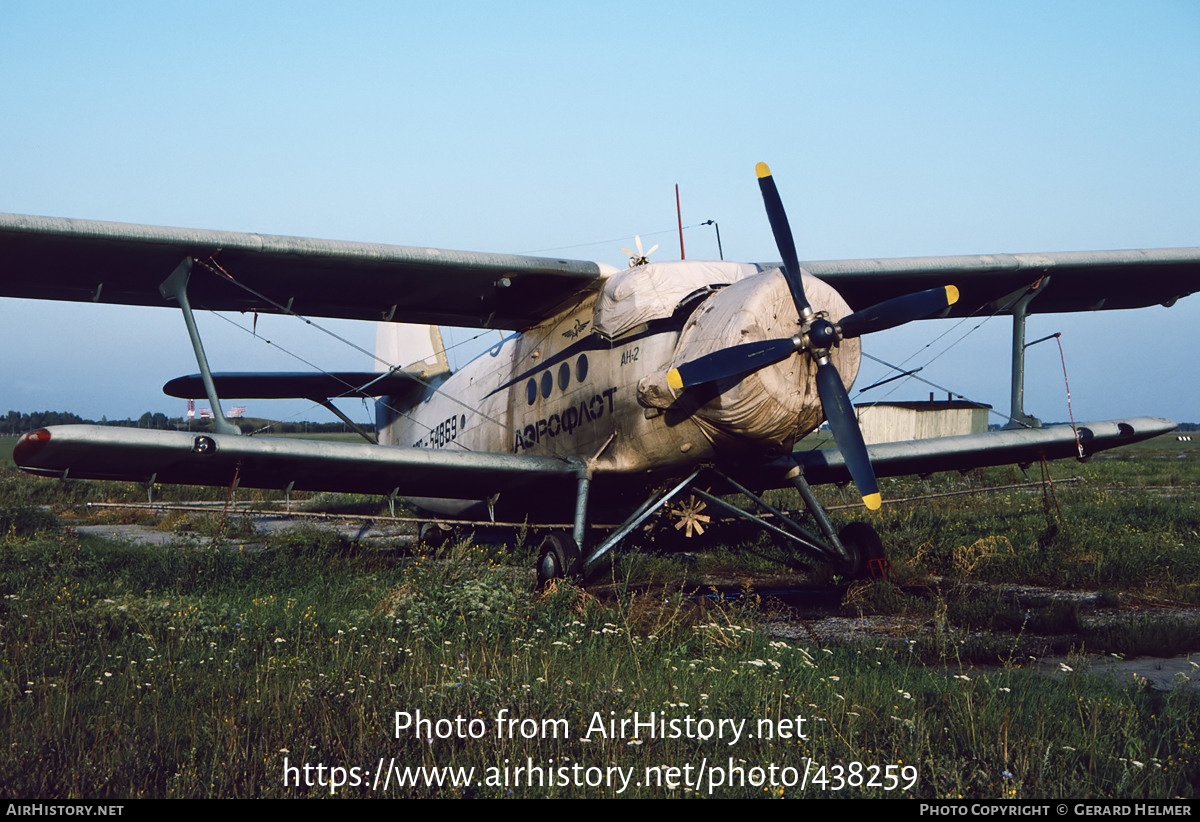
{"x": 770, "y": 407}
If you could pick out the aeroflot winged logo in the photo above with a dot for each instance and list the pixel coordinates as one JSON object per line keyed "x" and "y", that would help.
{"x": 580, "y": 327}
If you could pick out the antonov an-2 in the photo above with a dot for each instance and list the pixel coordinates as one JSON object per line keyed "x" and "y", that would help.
{"x": 622, "y": 390}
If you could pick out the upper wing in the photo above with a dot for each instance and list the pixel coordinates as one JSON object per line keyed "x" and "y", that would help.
{"x": 53, "y": 258}
{"x": 83, "y": 260}
{"x": 991, "y": 283}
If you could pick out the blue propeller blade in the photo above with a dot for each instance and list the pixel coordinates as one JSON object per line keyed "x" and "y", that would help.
{"x": 898, "y": 311}
{"x": 728, "y": 363}
{"x": 835, "y": 402}
{"x": 783, "y": 237}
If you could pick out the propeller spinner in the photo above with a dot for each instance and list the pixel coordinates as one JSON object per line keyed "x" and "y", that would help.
{"x": 817, "y": 336}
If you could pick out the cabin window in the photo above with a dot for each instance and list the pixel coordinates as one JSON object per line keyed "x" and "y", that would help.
{"x": 581, "y": 366}
{"x": 564, "y": 376}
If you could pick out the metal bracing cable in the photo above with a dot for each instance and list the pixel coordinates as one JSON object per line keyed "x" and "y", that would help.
{"x": 351, "y": 389}
{"x": 901, "y": 366}
{"x": 215, "y": 268}
{"x": 911, "y": 373}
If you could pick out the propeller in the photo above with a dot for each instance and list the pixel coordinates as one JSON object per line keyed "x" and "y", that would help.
{"x": 739, "y": 360}
{"x": 641, "y": 257}
{"x": 817, "y": 335}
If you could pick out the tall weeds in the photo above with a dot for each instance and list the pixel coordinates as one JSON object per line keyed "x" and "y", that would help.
{"x": 131, "y": 671}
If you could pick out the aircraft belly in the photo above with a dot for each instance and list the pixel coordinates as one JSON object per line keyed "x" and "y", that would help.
{"x": 452, "y": 508}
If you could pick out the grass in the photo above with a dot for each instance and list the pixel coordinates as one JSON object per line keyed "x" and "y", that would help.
{"x": 130, "y": 671}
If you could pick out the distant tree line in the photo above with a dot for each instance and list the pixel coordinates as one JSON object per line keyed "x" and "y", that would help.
{"x": 16, "y": 422}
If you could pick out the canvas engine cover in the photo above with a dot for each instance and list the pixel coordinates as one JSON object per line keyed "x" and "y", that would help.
{"x": 773, "y": 406}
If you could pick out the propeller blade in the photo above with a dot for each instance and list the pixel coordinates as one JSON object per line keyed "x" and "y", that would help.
{"x": 822, "y": 334}
{"x": 783, "y": 238}
{"x": 897, "y": 311}
{"x": 840, "y": 413}
{"x": 729, "y": 363}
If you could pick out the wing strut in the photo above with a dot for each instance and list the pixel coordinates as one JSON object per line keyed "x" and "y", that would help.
{"x": 1017, "y": 418}
{"x": 357, "y": 429}
{"x": 175, "y": 287}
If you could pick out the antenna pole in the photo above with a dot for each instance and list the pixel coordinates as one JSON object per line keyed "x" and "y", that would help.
{"x": 679, "y": 214}
{"x": 720, "y": 250}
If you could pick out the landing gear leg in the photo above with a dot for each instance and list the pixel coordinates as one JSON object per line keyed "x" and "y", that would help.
{"x": 796, "y": 475}
{"x": 857, "y": 548}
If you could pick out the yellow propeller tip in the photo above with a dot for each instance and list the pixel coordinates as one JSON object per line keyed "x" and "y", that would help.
{"x": 873, "y": 501}
{"x": 762, "y": 170}
{"x": 951, "y": 295}
{"x": 674, "y": 380}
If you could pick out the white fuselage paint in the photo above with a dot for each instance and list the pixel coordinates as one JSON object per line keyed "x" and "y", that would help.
{"x": 560, "y": 389}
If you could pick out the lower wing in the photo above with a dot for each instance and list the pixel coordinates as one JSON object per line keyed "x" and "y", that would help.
{"x": 960, "y": 453}
{"x": 176, "y": 457}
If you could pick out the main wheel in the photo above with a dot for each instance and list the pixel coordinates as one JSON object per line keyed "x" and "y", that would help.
{"x": 863, "y": 544}
{"x": 558, "y": 558}
{"x": 434, "y": 534}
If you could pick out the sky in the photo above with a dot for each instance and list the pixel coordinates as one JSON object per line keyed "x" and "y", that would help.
{"x": 892, "y": 129}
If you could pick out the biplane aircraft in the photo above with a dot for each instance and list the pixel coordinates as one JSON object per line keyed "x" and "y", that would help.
{"x": 622, "y": 390}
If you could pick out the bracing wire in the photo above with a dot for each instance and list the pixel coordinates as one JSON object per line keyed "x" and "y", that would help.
{"x": 215, "y": 268}
{"x": 907, "y": 374}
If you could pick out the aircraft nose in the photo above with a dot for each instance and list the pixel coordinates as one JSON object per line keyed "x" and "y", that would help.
{"x": 774, "y": 404}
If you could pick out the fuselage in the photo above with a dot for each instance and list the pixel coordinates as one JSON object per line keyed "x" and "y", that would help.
{"x": 590, "y": 383}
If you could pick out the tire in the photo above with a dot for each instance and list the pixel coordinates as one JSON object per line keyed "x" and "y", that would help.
{"x": 863, "y": 544}
{"x": 558, "y": 558}
{"x": 433, "y": 535}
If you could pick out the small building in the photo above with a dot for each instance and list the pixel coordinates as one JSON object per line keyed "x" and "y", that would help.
{"x": 900, "y": 421}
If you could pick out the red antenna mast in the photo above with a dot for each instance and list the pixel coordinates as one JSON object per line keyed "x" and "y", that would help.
{"x": 679, "y": 214}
